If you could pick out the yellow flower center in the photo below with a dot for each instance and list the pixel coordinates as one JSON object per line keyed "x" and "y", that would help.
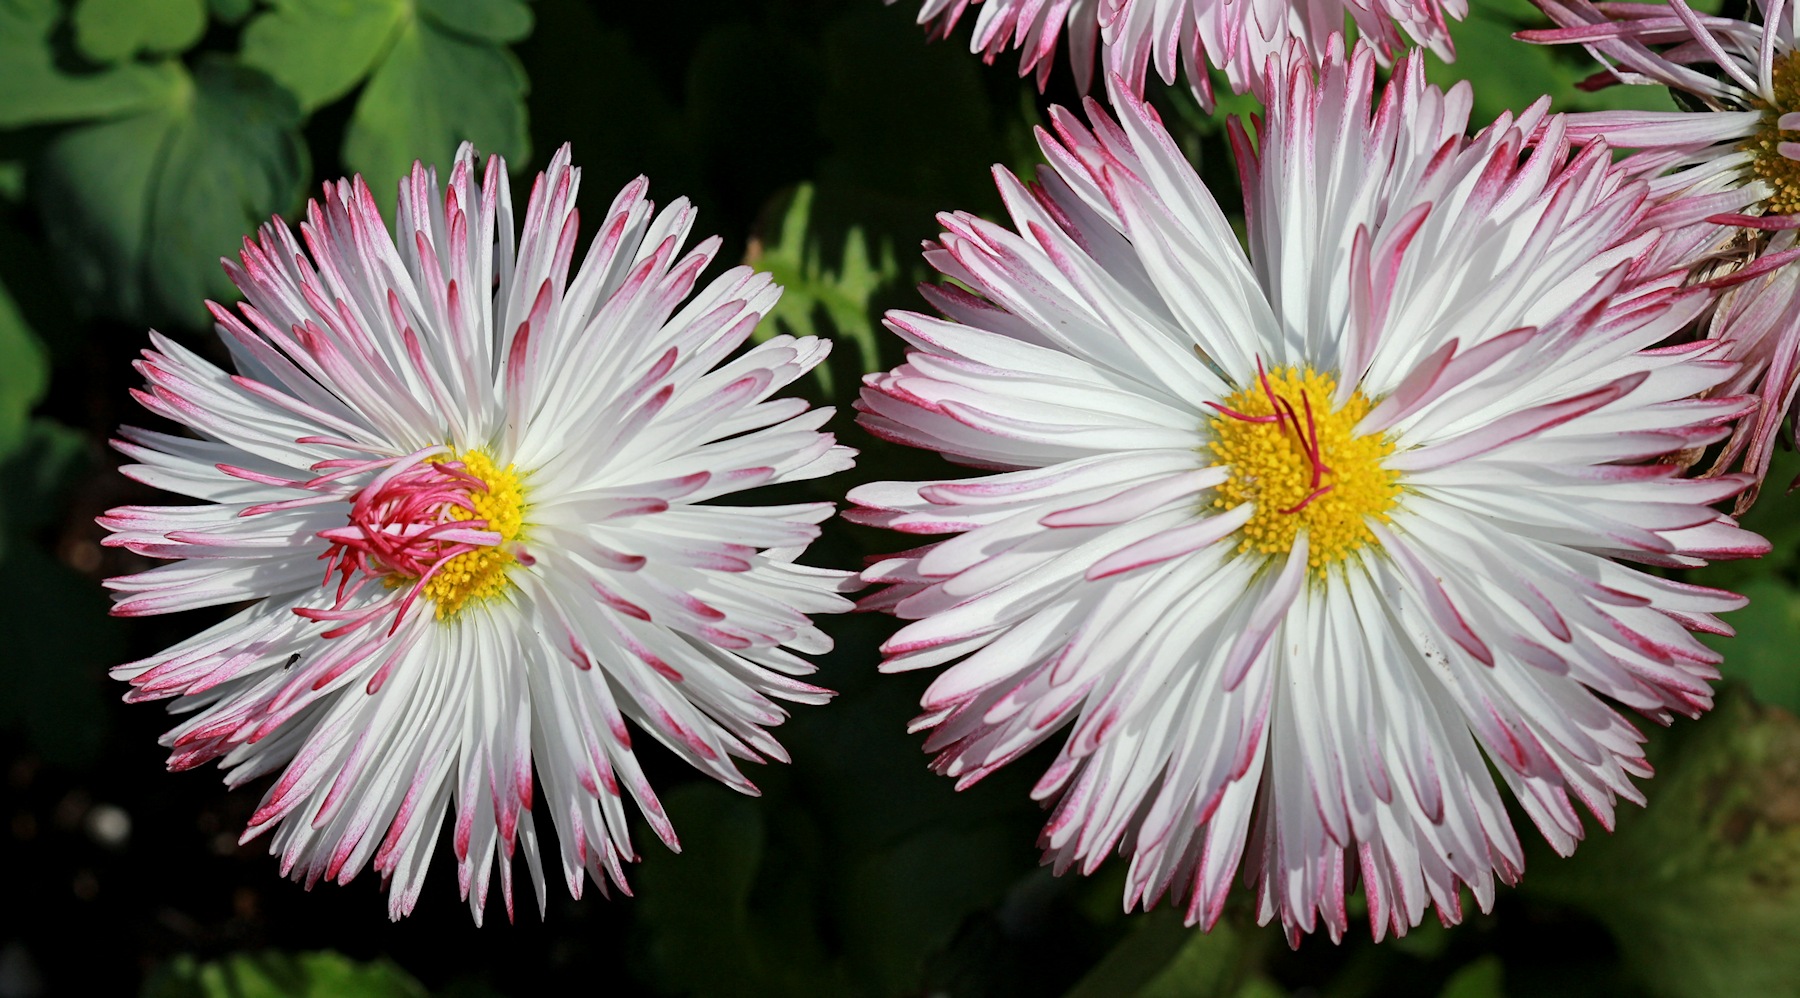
{"x": 1303, "y": 466}
{"x": 481, "y": 574}
{"x": 1779, "y": 172}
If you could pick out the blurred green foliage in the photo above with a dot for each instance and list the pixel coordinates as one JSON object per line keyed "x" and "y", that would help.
{"x": 842, "y": 290}
{"x": 1162, "y": 958}
{"x": 112, "y": 30}
{"x": 1702, "y": 889}
{"x": 141, "y": 140}
{"x": 1508, "y": 76}
{"x": 282, "y": 975}
{"x": 36, "y": 89}
{"x": 140, "y": 207}
{"x": 60, "y": 641}
{"x": 24, "y": 374}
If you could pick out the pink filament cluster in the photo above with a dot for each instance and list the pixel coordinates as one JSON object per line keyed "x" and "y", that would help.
{"x": 400, "y": 527}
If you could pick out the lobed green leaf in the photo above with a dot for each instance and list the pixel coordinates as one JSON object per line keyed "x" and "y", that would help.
{"x": 36, "y": 88}
{"x": 111, "y": 30}
{"x": 141, "y": 208}
{"x": 321, "y": 49}
{"x": 434, "y": 89}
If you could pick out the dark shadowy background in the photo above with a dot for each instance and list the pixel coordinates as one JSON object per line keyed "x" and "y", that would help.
{"x": 140, "y": 139}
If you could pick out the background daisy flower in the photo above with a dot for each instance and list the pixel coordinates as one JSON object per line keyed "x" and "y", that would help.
{"x": 1757, "y": 321}
{"x": 1186, "y": 36}
{"x": 471, "y": 495}
{"x": 1031, "y": 26}
{"x": 1739, "y": 79}
{"x": 1302, "y": 547}
{"x": 1729, "y": 163}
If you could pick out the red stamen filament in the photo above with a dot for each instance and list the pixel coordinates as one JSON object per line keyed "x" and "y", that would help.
{"x": 1308, "y": 501}
{"x": 1314, "y": 449}
{"x": 1243, "y": 417}
{"x": 1308, "y": 435}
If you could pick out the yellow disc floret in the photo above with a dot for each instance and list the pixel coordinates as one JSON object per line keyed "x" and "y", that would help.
{"x": 481, "y": 573}
{"x": 1779, "y": 172}
{"x": 1303, "y": 466}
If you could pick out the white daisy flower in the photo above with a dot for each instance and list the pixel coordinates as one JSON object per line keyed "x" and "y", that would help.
{"x": 1186, "y": 36}
{"x": 473, "y": 508}
{"x": 1739, "y": 79}
{"x": 1031, "y": 26}
{"x": 1298, "y": 543}
{"x": 1757, "y": 323}
{"x": 1733, "y": 159}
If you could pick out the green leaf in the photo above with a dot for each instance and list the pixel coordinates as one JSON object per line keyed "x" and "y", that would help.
{"x": 1481, "y": 979}
{"x": 51, "y": 457}
{"x": 437, "y": 72}
{"x": 141, "y": 208}
{"x": 35, "y": 89}
{"x": 1701, "y": 889}
{"x": 1426, "y": 941}
{"x": 95, "y": 185}
{"x": 709, "y": 930}
{"x": 321, "y": 49}
{"x": 24, "y": 374}
{"x": 842, "y": 292}
{"x": 1761, "y": 656}
{"x": 1260, "y": 987}
{"x": 435, "y": 89}
{"x": 61, "y": 644}
{"x": 1773, "y": 517}
{"x": 1508, "y": 75}
{"x": 230, "y": 11}
{"x": 912, "y": 896}
{"x": 1209, "y": 963}
{"x": 695, "y": 905}
{"x": 281, "y": 975}
{"x": 896, "y": 865}
{"x": 1163, "y": 958}
{"x": 494, "y": 20}
{"x": 235, "y": 161}
{"x": 111, "y": 30}
{"x": 60, "y": 639}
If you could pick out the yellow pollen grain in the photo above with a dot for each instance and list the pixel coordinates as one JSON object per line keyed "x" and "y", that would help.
{"x": 1271, "y": 467}
{"x": 1779, "y": 172}
{"x": 481, "y": 574}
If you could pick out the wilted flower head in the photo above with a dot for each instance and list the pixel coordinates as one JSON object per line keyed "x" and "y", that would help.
{"x": 1304, "y": 547}
{"x": 1236, "y": 36}
{"x": 471, "y": 505}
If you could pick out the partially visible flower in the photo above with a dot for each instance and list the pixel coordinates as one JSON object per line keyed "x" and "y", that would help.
{"x": 1728, "y": 168}
{"x": 1186, "y": 36}
{"x": 1305, "y": 547}
{"x": 472, "y": 505}
{"x": 1757, "y": 321}
{"x": 1741, "y": 79}
{"x": 1031, "y": 26}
